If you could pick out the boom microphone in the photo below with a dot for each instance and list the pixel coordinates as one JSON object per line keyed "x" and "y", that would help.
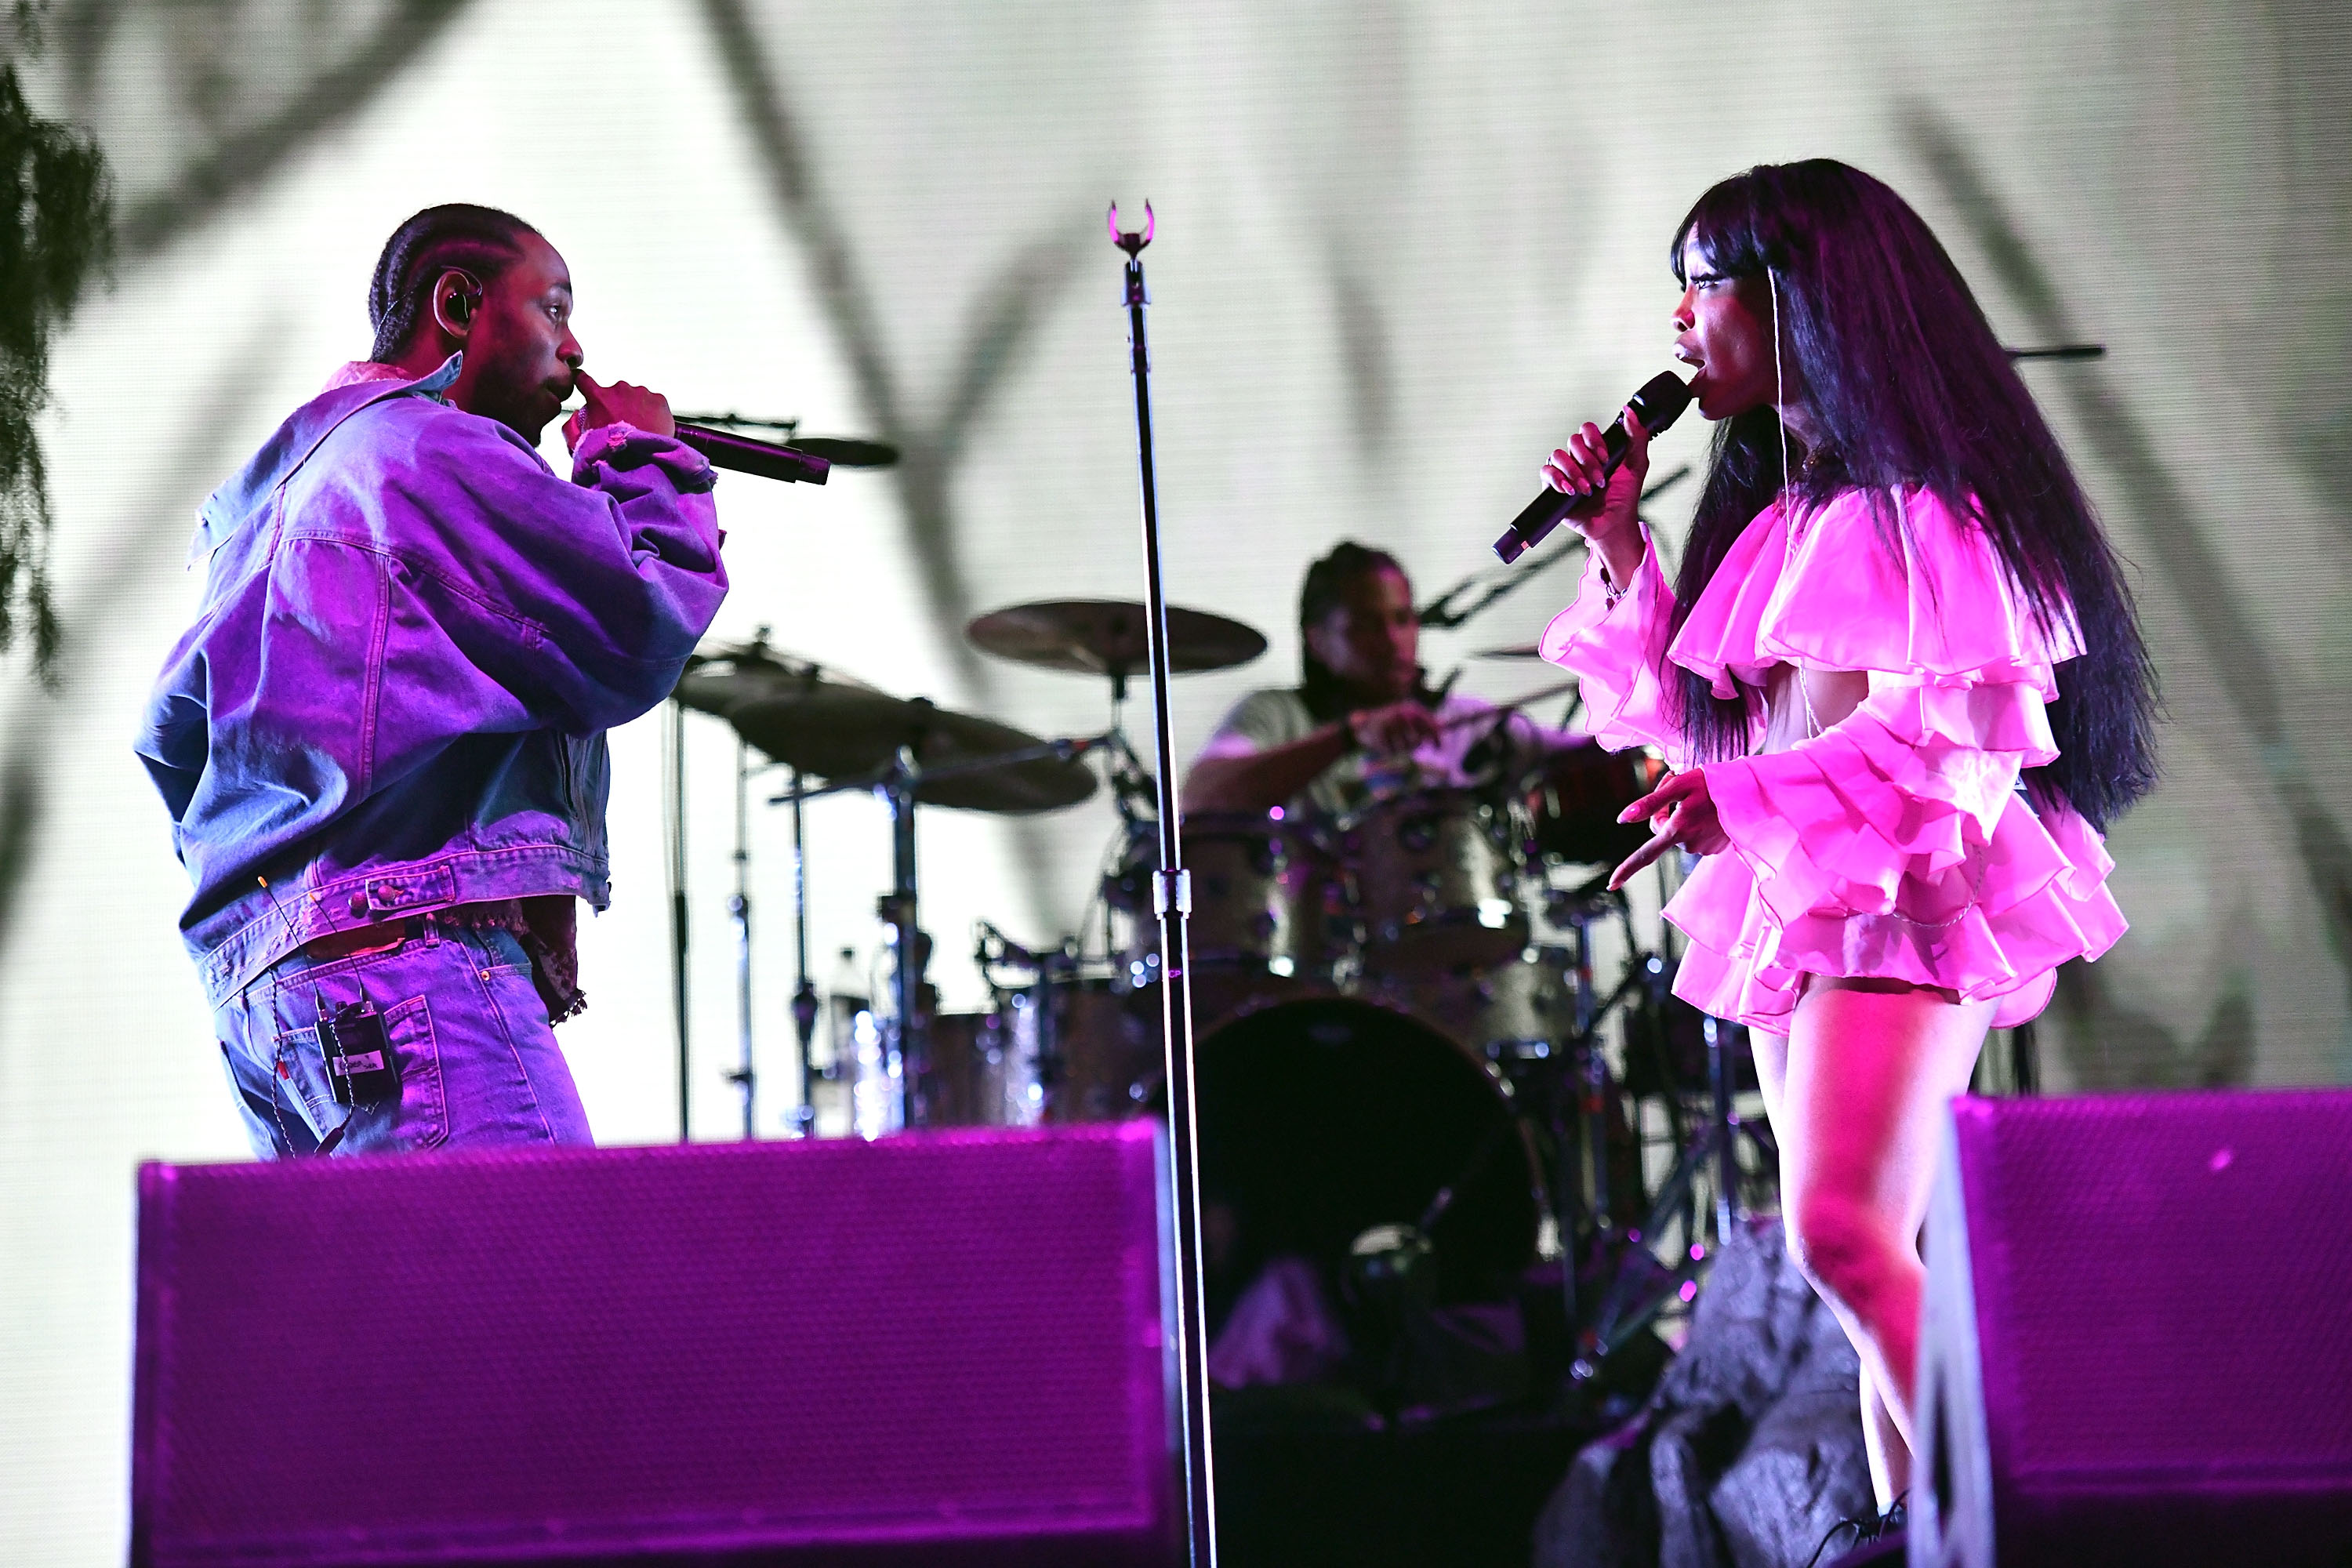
{"x": 1658, "y": 404}
{"x": 767, "y": 460}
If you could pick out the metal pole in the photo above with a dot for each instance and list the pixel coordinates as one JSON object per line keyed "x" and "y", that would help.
{"x": 678, "y": 912}
{"x": 739, "y": 905}
{"x": 908, "y": 1034}
{"x": 805, "y": 1005}
{"x": 1725, "y": 1132}
{"x": 1171, "y": 896}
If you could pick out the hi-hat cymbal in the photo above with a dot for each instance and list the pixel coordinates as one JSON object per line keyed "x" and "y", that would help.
{"x": 721, "y": 675}
{"x": 1108, "y": 637}
{"x": 840, "y": 731}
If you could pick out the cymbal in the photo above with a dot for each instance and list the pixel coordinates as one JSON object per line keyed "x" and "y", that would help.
{"x": 1108, "y": 637}
{"x": 1513, "y": 651}
{"x": 839, "y": 732}
{"x": 721, "y": 675}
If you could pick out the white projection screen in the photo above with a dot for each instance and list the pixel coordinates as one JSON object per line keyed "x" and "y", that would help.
{"x": 1402, "y": 247}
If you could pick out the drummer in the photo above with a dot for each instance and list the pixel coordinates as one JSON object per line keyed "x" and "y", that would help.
{"x": 1362, "y": 724}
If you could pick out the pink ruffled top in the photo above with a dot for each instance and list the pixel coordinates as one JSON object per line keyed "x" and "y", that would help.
{"x": 1894, "y": 843}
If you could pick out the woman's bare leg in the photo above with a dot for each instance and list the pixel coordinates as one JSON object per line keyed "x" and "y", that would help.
{"x": 1882, "y": 1443}
{"x": 1855, "y": 1092}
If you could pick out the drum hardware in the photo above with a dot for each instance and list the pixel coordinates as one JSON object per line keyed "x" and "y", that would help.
{"x": 1109, "y": 637}
{"x": 837, "y": 731}
{"x": 717, "y": 679}
{"x": 904, "y": 781}
{"x": 1636, "y": 1295}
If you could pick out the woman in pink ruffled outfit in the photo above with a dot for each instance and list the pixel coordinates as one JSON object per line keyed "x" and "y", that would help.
{"x": 1900, "y": 680}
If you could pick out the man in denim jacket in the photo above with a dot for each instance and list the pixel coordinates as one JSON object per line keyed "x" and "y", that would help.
{"x": 382, "y": 742}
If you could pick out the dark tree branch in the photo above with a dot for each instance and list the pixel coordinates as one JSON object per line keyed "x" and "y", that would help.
{"x": 246, "y": 159}
{"x": 931, "y": 452}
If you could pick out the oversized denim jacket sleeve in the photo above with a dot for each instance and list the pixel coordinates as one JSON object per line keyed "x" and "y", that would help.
{"x": 413, "y": 636}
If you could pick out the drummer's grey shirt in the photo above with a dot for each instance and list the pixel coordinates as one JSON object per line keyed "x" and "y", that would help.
{"x": 1265, "y": 720}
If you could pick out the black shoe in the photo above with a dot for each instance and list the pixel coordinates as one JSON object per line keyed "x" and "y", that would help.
{"x": 1878, "y": 1538}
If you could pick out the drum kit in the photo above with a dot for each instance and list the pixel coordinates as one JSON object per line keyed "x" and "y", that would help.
{"x": 1399, "y": 1014}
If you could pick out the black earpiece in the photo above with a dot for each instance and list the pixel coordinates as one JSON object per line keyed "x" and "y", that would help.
{"x": 464, "y": 299}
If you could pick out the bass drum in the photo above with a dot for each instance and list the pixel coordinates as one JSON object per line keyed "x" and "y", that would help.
{"x": 1323, "y": 1116}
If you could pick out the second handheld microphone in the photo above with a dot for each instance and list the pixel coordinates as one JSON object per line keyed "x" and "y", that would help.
{"x": 1658, "y": 404}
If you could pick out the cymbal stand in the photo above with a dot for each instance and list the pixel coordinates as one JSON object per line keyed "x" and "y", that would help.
{"x": 1171, "y": 896}
{"x": 804, "y": 1002}
{"x": 899, "y": 782}
{"x": 908, "y": 1034}
{"x": 1636, "y": 1297}
{"x": 744, "y": 1076}
{"x": 1641, "y": 1287}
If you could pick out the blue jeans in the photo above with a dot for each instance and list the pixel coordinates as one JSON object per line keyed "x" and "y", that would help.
{"x": 476, "y": 1057}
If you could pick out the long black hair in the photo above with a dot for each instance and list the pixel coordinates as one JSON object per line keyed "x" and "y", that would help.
{"x": 482, "y": 241}
{"x": 1908, "y": 386}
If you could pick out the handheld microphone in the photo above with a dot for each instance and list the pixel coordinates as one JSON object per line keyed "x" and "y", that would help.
{"x": 1658, "y": 404}
{"x": 767, "y": 460}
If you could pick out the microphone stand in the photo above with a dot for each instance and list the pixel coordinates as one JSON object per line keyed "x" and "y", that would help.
{"x": 674, "y": 720}
{"x": 1171, "y": 896}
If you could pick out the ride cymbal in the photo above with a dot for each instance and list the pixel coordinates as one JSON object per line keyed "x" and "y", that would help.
{"x": 721, "y": 675}
{"x": 1109, "y": 636}
{"x": 839, "y": 732}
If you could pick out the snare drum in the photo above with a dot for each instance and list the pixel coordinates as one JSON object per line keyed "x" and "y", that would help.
{"x": 1071, "y": 1050}
{"x": 1436, "y": 880}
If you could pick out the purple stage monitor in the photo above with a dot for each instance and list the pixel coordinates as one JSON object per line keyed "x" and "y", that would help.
{"x": 2138, "y": 1344}
{"x": 940, "y": 1347}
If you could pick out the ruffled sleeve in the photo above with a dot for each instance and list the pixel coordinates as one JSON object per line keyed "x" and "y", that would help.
{"x": 1618, "y": 654}
{"x": 1870, "y": 816}
{"x": 1895, "y": 843}
{"x": 1906, "y": 587}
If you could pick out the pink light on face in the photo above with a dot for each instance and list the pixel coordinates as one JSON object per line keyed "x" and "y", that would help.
{"x": 1690, "y": 1290}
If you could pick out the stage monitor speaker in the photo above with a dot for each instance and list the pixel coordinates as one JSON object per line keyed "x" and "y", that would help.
{"x": 943, "y": 1348}
{"x": 2138, "y": 1343}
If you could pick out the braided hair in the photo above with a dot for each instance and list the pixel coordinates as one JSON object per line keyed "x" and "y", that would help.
{"x": 483, "y": 241}
{"x": 1326, "y": 581}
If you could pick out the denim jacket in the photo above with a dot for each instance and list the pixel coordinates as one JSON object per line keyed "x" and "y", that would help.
{"x": 413, "y": 638}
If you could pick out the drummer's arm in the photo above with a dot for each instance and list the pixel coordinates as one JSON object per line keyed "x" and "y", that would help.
{"x": 1235, "y": 772}
{"x": 1232, "y": 775}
